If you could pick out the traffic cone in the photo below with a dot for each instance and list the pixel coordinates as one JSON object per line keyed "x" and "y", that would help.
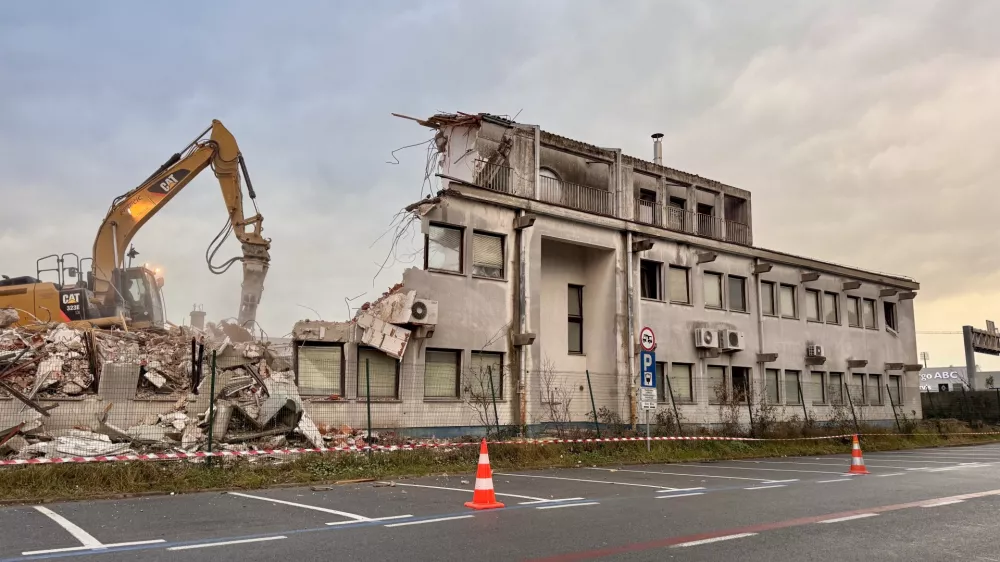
{"x": 857, "y": 461}
{"x": 484, "y": 497}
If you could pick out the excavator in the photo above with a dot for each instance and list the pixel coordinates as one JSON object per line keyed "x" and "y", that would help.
{"x": 113, "y": 294}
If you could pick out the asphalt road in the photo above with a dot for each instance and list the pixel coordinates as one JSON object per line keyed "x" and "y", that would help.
{"x": 933, "y": 504}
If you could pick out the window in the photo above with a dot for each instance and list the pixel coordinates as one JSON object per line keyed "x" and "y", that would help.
{"x": 895, "y": 389}
{"x": 680, "y": 382}
{"x": 382, "y": 373}
{"x": 716, "y": 382}
{"x": 486, "y": 368}
{"x": 487, "y": 255}
{"x": 737, "y": 294}
{"x": 441, "y": 370}
{"x": 858, "y": 388}
{"x": 772, "y": 380}
{"x": 817, "y": 392}
{"x": 649, "y": 279}
{"x": 741, "y": 383}
{"x": 889, "y": 310}
{"x": 575, "y": 319}
{"x": 812, "y": 305}
{"x": 713, "y": 290}
{"x": 875, "y": 390}
{"x": 831, "y": 308}
{"x": 677, "y": 285}
{"x": 787, "y": 302}
{"x": 835, "y": 388}
{"x": 443, "y": 248}
{"x": 661, "y": 385}
{"x": 767, "y": 299}
{"x": 320, "y": 369}
{"x": 854, "y": 312}
{"x": 868, "y": 313}
{"x": 792, "y": 391}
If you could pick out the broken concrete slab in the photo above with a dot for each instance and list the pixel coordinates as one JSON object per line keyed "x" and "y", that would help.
{"x": 308, "y": 429}
{"x": 13, "y": 445}
{"x": 147, "y": 434}
{"x": 8, "y": 317}
{"x": 118, "y": 381}
{"x": 88, "y": 444}
{"x": 221, "y": 416}
{"x": 157, "y": 380}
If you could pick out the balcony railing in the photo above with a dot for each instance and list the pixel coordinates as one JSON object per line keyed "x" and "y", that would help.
{"x": 650, "y": 212}
{"x": 590, "y": 199}
{"x": 494, "y": 177}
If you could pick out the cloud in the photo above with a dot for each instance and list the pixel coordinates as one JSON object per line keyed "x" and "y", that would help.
{"x": 866, "y": 132}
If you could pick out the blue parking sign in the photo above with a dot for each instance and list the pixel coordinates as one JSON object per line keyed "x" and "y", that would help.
{"x": 647, "y": 359}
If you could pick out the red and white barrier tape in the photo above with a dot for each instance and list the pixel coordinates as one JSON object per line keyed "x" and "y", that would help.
{"x": 417, "y": 446}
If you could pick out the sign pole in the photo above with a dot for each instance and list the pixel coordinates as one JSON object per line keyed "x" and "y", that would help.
{"x": 647, "y": 431}
{"x": 647, "y": 384}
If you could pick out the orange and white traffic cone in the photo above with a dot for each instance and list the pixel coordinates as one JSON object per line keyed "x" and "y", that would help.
{"x": 857, "y": 461}
{"x": 484, "y": 497}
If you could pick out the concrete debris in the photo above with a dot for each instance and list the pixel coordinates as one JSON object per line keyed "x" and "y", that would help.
{"x": 156, "y": 379}
{"x": 8, "y": 317}
{"x": 88, "y": 444}
{"x": 13, "y": 445}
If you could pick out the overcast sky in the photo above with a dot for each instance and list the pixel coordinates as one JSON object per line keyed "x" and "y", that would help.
{"x": 868, "y": 132}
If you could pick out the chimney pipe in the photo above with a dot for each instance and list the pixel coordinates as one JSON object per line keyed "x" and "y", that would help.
{"x": 657, "y": 149}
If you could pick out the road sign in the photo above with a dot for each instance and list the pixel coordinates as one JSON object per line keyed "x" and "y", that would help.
{"x": 646, "y": 339}
{"x": 647, "y": 360}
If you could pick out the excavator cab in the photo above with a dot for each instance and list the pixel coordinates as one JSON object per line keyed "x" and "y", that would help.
{"x": 141, "y": 295}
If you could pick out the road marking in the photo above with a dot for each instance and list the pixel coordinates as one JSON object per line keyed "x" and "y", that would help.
{"x": 431, "y": 520}
{"x": 765, "y": 487}
{"x": 940, "y": 503}
{"x": 849, "y": 518}
{"x": 467, "y": 491}
{"x": 846, "y": 461}
{"x": 354, "y": 516}
{"x": 716, "y": 539}
{"x": 664, "y": 488}
{"x": 550, "y": 501}
{"x": 681, "y": 474}
{"x": 837, "y": 480}
{"x": 80, "y": 548}
{"x": 891, "y": 474}
{"x": 916, "y": 461}
{"x": 353, "y": 522}
{"x": 759, "y": 468}
{"x": 566, "y": 505}
{"x": 679, "y": 495}
{"x": 85, "y": 538}
{"x": 226, "y": 543}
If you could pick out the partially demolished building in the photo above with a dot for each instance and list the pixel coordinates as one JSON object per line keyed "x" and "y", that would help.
{"x": 544, "y": 257}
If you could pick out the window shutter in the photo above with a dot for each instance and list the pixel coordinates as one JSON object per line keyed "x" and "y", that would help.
{"x": 319, "y": 370}
{"x": 481, "y": 364}
{"x": 441, "y": 374}
{"x": 382, "y": 372}
{"x": 487, "y": 255}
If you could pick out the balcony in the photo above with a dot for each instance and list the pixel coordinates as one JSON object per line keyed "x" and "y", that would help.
{"x": 589, "y": 199}
{"x": 680, "y": 220}
{"x": 495, "y": 177}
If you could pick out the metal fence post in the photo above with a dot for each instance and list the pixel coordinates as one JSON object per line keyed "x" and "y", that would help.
{"x": 368, "y": 400}
{"x": 211, "y": 410}
{"x": 802, "y": 400}
{"x": 493, "y": 392}
{"x": 998, "y": 405}
{"x": 857, "y": 428}
{"x": 966, "y": 406}
{"x": 746, "y": 391}
{"x": 593, "y": 405}
{"x": 893, "y": 404}
{"x": 673, "y": 403}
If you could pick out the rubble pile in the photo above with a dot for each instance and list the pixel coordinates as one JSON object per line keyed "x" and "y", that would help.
{"x": 55, "y": 362}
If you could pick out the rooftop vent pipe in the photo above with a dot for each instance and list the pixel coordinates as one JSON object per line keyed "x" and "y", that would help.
{"x": 657, "y": 149}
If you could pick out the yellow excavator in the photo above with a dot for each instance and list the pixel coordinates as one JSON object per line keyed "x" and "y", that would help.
{"x": 112, "y": 293}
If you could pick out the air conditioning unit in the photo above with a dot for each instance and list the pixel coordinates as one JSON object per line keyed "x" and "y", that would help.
{"x": 424, "y": 312}
{"x": 732, "y": 340}
{"x": 815, "y": 351}
{"x": 706, "y": 339}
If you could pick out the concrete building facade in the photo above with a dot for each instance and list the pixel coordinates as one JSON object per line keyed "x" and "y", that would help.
{"x": 546, "y": 256}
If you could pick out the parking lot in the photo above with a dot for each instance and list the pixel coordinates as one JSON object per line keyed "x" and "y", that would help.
{"x": 691, "y": 497}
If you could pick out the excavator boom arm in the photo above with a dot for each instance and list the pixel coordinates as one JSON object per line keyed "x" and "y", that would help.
{"x": 131, "y": 211}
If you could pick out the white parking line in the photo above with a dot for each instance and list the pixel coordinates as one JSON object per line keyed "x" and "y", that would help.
{"x": 845, "y": 462}
{"x": 664, "y": 488}
{"x": 550, "y": 501}
{"x": 566, "y": 505}
{"x": 353, "y": 516}
{"x": 715, "y": 539}
{"x": 765, "y": 487}
{"x": 895, "y": 458}
{"x": 760, "y": 468}
{"x": 439, "y": 519}
{"x": 848, "y": 518}
{"x": 88, "y": 541}
{"x": 679, "y": 495}
{"x": 939, "y": 504}
{"x": 226, "y": 543}
{"x": 891, "y": 474}
{"x": 682, "y": 474}
{"x": 837, "y": 480}
{"x": 468, "y": 491}
{"x": 354, "y": 522}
